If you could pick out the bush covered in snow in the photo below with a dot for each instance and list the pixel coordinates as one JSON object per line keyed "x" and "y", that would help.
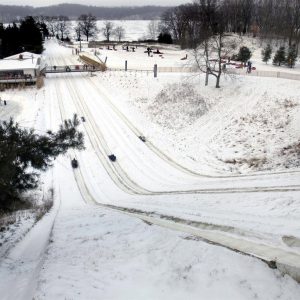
{"x": 291, "y": 155}
{"x": 177, "y": 105}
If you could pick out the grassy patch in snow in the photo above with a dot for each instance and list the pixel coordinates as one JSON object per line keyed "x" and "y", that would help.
{"x": 256, "y": 140}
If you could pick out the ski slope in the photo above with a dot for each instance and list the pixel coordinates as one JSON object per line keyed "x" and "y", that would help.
{"x": 99, "y": 241}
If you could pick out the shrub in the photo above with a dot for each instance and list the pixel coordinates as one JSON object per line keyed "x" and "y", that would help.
{"x": 244, "y": 54}
{"x": 279, "y": 57}
{"x": 266, "y": 54}
{"x": 291, "y": 56}
{"x": 165, "y": 38}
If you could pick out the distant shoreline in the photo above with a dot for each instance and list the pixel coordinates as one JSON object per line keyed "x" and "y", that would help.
{"x": 10, "y": 13}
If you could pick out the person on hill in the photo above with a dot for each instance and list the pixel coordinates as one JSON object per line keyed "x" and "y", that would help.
{"x": 249, "y": 66}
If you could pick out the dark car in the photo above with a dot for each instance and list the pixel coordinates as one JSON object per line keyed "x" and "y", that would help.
{"x": 74, "y": 163}
{"x": 112, "y": 157}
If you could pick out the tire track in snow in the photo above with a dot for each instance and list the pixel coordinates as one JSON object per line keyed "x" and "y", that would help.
{"x": 139, "y": 158}
{"x": 101, "y": 149}
{"x": 287, "y": 262}
{"x": 136, "y": 189}
{"x": 119, "y": 176}
{"x": 192, "y": 191}
{"x": 164, "y": 156}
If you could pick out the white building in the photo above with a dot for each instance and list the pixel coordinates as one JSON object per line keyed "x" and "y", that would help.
{"x": 22, "y": 67}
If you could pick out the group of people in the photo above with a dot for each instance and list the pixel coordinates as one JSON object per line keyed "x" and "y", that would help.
{"x": 150, "y": 50}
{"x": 76, "y": 51}
{"x": 249, "y": 66}
{"x": 127, "y": 48}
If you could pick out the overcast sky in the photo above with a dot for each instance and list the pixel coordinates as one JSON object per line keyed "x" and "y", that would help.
{"x": 96, "y": 2}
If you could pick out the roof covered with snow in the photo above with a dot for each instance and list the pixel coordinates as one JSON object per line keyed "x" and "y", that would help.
{"x": 28, "y": 61}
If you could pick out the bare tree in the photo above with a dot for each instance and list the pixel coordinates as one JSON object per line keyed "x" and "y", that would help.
{"x": 209, "y": 55}
{"x": 268, "y": 19}
{"x": 174, "y": 22}
{"x": 153, "y": 29}
{"x": 87, "y": 25}
{"x": 108, "y": 29}
{"x": 51, "y": 23}
{"x": 77, "y": 30}
{"x": 215, "y": 44}
{"x": 292, "y": 21}
{"x": 119, "y": 32}
{"x": 62, "y": 26}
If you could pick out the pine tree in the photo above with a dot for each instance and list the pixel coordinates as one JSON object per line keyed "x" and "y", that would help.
{"x": 266, "y": 54}
{"x": 244, "y": 54}
{"x": 291, "y": 56}
{"x": 165, "y": 38}
{"x": 24, "y": 154}
{"x": 279, "y": 57}
{"x": 31, "y": 35}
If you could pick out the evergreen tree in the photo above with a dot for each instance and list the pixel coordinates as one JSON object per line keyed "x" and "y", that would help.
{"x": 244, "y": 54}
{"x": 23, "y": 154}
{"x": 2, "y": 31}
{"x": 11, "y": 40}
{"x": 165, "y": 38}
{"x": 279, "y": 57}
{"x": 291, "y": 56}
{"x": 26, "y": 37}
{"x": 44, "y": 29}
{"x": 266, "y": 54}
{"x": 31, "y": 35}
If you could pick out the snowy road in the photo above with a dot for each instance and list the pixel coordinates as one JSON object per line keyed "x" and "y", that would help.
{"x": 259, "y": 208}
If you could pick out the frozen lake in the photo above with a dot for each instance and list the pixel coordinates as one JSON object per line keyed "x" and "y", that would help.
{"x": 134, "y": 29}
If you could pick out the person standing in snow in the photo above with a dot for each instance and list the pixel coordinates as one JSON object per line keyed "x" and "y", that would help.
{"x": 249, "y": 66}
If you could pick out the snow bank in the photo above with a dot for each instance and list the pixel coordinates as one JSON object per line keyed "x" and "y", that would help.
{"x": 176, "y": 106}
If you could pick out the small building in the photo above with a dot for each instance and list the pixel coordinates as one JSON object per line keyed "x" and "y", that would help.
{"x": 23, "y": 67}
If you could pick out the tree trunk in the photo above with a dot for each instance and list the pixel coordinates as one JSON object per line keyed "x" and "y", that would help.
{"x": 218, "y": 81}
{"x": 206, "y": 78}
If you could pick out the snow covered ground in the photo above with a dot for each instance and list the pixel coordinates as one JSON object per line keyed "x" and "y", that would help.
{"x": 183, "y": 172}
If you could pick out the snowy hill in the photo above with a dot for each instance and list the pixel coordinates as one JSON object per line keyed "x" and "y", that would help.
{"x": 199, "y": 209}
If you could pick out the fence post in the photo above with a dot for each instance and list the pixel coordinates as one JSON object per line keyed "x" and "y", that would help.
{"x": 155, "y": 71}
{"x": 126, "y": 65}
{"x": 105, "y": 60}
